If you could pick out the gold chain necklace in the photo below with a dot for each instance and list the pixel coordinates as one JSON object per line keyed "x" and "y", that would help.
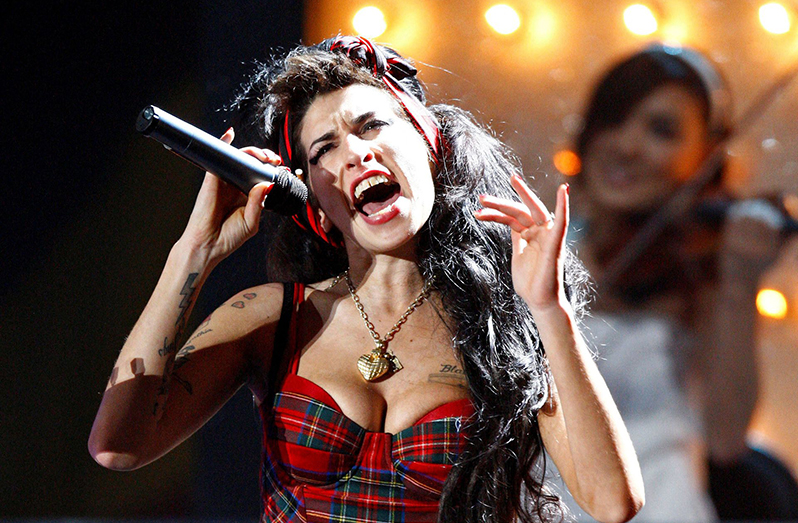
{"x": 381, "y": 360}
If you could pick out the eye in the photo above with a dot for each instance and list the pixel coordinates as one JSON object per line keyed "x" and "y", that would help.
{"x": 372, "y": 125}
{"x": 664, "y": 127}
{"x": 319, "y": 153}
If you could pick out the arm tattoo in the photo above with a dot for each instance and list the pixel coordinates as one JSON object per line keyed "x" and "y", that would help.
{"x": 168, "y": 348}
{"x": 240, "y": 304}
{"x": 181, "y": 359}
{"x": 163, "y": 390}
{"x": 114, "y": 376}
{"x": 188, "y": 294}
{"x": 169, "y": 374}
{"x": 205, "y": 322}
{"x": 137, "y": 367}
{"x": 197, "y": 335}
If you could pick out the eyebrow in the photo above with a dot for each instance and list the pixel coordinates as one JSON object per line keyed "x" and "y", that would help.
{"x": 355, "y": 123}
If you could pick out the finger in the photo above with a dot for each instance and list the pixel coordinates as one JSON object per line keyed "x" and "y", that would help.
{"x": 273, "y": 157}
{"x": 561, "y": 213}
{"x": 210, "y": 178}
{"x": 263, "y": 155}
{"x": 564, "y": 205}
{"x": 252, "y": 211}
{"x": 537, "y": 208}
{"x": 491, "y": 215}
{"x": 517, "y": 210}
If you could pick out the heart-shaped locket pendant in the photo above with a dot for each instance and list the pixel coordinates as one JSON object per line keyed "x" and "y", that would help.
{"x": 373, "y": 365}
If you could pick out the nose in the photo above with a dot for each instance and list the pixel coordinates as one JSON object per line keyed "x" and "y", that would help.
{"x": 358, "y": 151}
{"x": 628, "y": 140}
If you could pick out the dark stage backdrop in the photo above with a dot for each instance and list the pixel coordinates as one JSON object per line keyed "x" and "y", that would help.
{"x": 89, "y": 212}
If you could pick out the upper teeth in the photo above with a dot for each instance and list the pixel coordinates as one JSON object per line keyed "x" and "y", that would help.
{"x": 369, "y": 182}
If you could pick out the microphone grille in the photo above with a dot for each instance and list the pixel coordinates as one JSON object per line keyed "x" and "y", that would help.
{"x": 288, "y": 196}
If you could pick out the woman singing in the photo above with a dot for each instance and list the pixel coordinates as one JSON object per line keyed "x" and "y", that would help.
{"x": 426, "y": 350}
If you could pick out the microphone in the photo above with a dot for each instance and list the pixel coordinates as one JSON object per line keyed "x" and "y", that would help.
{"x": 287, "y": 196}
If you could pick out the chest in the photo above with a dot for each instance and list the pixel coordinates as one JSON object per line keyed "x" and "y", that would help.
{"x": 326, "y": 351}
{"x": 315, "y": 455}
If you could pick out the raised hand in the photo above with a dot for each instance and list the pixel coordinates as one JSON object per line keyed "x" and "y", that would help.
{"x": 223, "y": 218}
{"x": 538, "y": 242}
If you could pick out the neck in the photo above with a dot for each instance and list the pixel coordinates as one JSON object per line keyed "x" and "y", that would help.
{"x": 385, "y": 282}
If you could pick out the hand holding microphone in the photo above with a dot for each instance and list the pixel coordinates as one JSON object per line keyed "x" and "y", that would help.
{"x": 287, "y": 196}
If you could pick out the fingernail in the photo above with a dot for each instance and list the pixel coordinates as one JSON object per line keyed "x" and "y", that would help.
{"x": 567, "y": 188}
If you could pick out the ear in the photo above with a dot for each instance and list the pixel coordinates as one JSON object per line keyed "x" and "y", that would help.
{"x": 324, "y": 221}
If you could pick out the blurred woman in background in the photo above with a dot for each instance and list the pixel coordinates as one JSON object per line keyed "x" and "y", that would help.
{"x": 675, "y": 327}
{"x": 400, "y": 370}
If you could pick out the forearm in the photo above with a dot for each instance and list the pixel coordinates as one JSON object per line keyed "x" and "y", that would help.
{"x": 750, "y": 241}
{"x": 600, "y": 465}
{"x": 730, "y": 370}
{"x": 138, "y": 388}
{"x": 581, "y": 428}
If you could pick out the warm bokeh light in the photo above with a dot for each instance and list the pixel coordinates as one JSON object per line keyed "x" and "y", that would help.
{"x": 640, "y": 19}
{"x": 503, "y": 19}
{"x": 771, "y": 304}
{"x": 774, "y": 18}
{"x": 543, "y": 25}
{"x": 567, "y": 162}
{"x": 369, "y": 22}
{"x": 674, "y": 33}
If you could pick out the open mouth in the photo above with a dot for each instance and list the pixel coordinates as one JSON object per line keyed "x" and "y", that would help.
{"x": 375, "y": 194}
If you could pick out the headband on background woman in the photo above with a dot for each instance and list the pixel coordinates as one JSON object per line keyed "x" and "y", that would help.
{"x": 717, "y": 91}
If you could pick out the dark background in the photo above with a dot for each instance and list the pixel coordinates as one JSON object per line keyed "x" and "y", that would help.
{"x": 89, "y": 212}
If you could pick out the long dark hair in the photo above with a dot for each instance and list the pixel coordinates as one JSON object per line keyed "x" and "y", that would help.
{"x": 493, "y": 331}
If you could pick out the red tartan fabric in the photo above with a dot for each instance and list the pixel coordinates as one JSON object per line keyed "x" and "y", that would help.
{"x": 320, "y": 466}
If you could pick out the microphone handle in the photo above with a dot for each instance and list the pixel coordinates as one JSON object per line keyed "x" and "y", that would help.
{"x": 287, "y": 196}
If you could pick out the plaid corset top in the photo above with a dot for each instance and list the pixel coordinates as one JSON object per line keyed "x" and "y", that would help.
{"x": 320, "y": 466}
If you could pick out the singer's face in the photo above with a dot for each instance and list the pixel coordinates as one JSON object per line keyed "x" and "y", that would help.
{"x": 369, "y": 168}
{"x": 661, "y": 144}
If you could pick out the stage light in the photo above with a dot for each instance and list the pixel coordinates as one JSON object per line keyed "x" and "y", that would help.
{"x": 567, "y": 162}
{"x": 774, "y": 18}
{"x": 640, "y": 19}
{"x": 771, "y": 304}
{"x": 369, "y": 22}
{"x": 503, "y": 19}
